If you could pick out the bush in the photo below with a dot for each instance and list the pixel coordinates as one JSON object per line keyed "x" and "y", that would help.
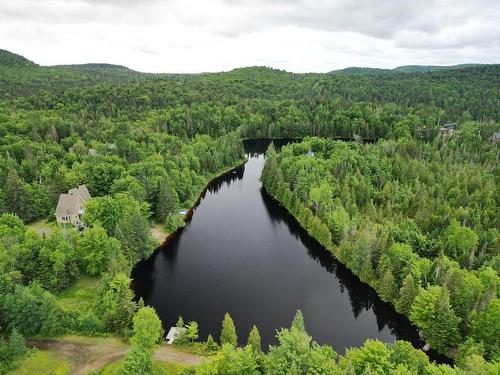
{"x": 90, "y": 324}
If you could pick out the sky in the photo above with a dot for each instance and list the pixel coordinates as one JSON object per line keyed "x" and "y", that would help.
{"x": 188, "y": 36}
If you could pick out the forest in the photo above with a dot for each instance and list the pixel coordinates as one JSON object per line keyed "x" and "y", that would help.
{"x": 411, "y": 211}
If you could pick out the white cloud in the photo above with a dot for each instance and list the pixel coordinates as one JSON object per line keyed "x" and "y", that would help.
{"x": 215, "y": 35}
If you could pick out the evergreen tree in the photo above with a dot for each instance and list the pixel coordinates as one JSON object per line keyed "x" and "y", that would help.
{"x": 211, "y": 345}
{"x": 443, "y": 332}
{"x": 16, "y": 346}
{"x": 16, "y": 198}
{"x": 387, "y": 287}
{"x": 298, "y": 321}
{"x": 366, "y": 273}
{"x": 431, "y": 311}
{"x": 407, "y": 295}
{"x": 166, "y": 200}
{"x": 254, "y": 340}
{"x": 228, "y": 332}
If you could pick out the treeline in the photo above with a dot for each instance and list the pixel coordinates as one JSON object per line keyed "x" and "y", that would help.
{"x": 116, "y": 88}
{"x": 295, "y": 353}
{"x": 263, "y": 102}
{"x": 418, "y": 222}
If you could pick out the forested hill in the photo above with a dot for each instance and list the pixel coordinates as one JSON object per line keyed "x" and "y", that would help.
{"x": 354, "y": 70}
{"x": 259, "y": 101}
{"x": 12, "y": 60}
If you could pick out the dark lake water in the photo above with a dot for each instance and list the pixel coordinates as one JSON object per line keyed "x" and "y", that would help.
{"x": 243, "y": 253}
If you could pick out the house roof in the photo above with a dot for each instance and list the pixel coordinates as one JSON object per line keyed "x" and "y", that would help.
{"x": 67, "y": 204}
{"x": 81, "y": 191}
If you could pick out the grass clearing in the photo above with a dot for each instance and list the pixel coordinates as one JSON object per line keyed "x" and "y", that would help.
{"x": 41, "y": 363}
{"x": 164, "y": 368}
{"x": 80, "y": 295}
{"x": 42, "y": 226}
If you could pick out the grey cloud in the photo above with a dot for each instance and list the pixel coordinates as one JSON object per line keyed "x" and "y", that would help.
{"x": 270, "y": 32}
{"x": 381, "y": 19}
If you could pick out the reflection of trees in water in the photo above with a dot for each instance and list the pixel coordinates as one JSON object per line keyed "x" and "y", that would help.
{"x": 361, "y": 296}
{"x": 257, "y": 147}
{"x": 143, "y": 273}
{"x": 215, "y": 185}
{"x": 143, "y": 279}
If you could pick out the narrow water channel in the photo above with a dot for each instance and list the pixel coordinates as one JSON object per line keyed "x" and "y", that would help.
{"x": 242, "y": 253}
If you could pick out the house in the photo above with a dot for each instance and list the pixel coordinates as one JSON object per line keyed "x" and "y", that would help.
{"x": 448, "y": 128}
{"x": 173, "y": 334}
{"x": 451, "y": 126}
{"x": 71, "y": 206}
{"x": 92, "y": 152}
{"x": 310, "y": 154}
{"x": 495, "y": 137}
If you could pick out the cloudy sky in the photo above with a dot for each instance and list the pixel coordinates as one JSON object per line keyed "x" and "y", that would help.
{"x": 216, "y": 35}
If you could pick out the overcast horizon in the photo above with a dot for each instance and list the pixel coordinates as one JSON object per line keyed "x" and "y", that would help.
{"x": 175, "y": 36}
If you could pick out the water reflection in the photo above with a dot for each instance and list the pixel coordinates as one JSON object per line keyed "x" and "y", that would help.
{"x": 245, "y": 254}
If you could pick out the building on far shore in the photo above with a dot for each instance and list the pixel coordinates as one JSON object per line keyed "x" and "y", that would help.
{"x": 71, "y": 206}
{"x": 495, "y": 137}
{"x": 449, "y": 128}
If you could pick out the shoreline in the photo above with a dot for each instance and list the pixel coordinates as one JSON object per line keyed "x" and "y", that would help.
{"x": 157, "y": 230}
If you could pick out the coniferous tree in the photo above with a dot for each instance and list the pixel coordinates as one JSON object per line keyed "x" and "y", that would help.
{"x": 254, "y": 340}
{"x": 443, "y": 332}
{"x": 228, "y": 332}
{"x": 387, "y": 287}
{"x": 166, "y": 201}
{"x": 407, "y": 294}
{"x": 16, "y": 198}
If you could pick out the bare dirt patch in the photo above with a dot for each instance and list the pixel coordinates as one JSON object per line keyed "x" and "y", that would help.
{"x": 97, "y": 353}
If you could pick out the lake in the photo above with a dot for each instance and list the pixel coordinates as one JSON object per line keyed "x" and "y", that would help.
{"x": 244, "y": 254}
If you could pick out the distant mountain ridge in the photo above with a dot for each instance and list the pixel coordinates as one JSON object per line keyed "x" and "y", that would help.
{"x": 12, "y": 60}
{"x": 93, "y": 66}
{"x": 354, "y": 70}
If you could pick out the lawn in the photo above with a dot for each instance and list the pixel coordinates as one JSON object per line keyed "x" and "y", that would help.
{"x": 42, "y": 226}
{"x": 164, "y": 368}
{"x": 41, "y": 363}
{"x": 79, "y": 295}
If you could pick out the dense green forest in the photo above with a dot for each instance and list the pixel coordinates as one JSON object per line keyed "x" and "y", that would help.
{"x": 417, "y": 221}
{"x": 415, "y": 215}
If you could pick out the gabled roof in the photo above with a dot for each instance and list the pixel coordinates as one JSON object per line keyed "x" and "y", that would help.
{"x": 81, "y": 191}
{"x": 67, "y": 204}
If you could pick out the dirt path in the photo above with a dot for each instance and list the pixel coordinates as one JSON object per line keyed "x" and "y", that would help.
{"x": 92, "y": 356}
